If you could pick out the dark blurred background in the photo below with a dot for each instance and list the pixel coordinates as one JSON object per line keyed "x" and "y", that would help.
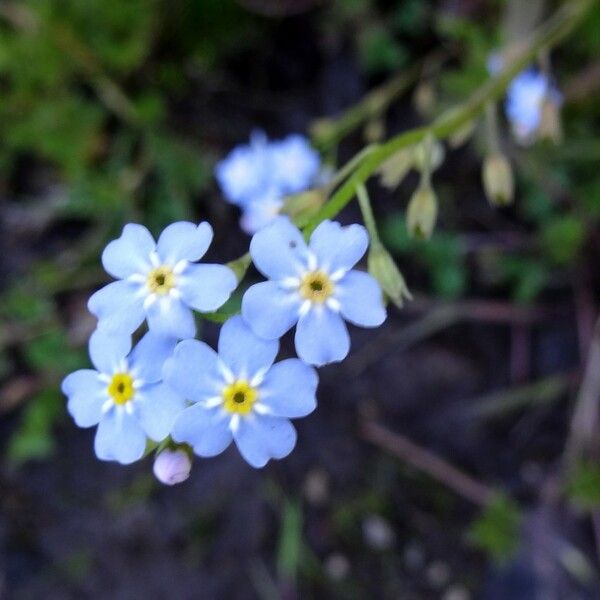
{"x": 481, "y": 484}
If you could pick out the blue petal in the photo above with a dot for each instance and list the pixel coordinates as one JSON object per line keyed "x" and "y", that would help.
{"x": 321, "y": 337}
{"x": 295, "y": 164}
{"x": 245, "y": 172}
{"x": 193, "y": 371}
{"x": 158, "y": 407}
{"x": 289, "y": 389}
{"x": 260, "y": 438}
{"x": 278, "y": 250}
{"x": 108, "y": 349}
{"x": 118, "y": 307}
{"x": 184, "y": 241}
{"x": 171, "y": 317}
{"x": 149, "y": 356}
{"x": 206, "y": 287}
{"x": 270, "y": 310}
{"x": 86, "y": 395}
{"x": 130, "y": 253}
{"x": 338, "y": 247}
{"x": 119, "y": 437}
{"x": 261, "y": 211}
{"x": 206, "y": 430}
{"x": 361, "y": 300}
{"x": 242, "y": 351}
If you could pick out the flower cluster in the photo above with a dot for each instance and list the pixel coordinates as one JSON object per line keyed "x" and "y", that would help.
{"x": 176, "y": 392}
{"x": 259, "y": 175}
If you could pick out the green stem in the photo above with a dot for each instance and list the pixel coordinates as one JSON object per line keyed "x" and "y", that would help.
{"x": 327, "y": 133}
{"x": 367, "y": 214}
{"x": 556, "y": 28}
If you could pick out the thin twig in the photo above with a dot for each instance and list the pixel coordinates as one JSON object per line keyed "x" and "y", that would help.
{"x": 424, "y": 460}
{"x": 557, "y": 27}
{"x": 584, "y": 424}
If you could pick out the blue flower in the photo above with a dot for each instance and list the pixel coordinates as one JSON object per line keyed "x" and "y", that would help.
{"x": 258, "y": 176}
{"x": 240, "y": 395}
{"x": 295, "y": 164}
{"x": 261, "y": 211}
{"x": 525, "y": 100}
{"x": 312, "y": 286}
{"x": 244, "y": 173}
{"x": 160, "y": 281}
{"x": 125, "y": 395}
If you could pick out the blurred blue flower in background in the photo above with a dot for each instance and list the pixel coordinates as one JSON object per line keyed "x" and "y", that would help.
{"x": 125, "y": 396}
{"x": 159, "y": 281}
{"x": 239, "y": 394}
{"x": 525, "y": 100}
{"x": 526, "y": 97}
{"x": 312, "y": 286}
{"x": 257, "y": 176}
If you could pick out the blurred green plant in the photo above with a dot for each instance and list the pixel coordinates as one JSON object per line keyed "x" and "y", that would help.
{"x": 583, "y": 486}
{"x": 496, "y": 530}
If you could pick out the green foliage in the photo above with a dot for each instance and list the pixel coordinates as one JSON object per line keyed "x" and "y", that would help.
{"x": 441, "y": 255}
{"x": 562, "y": 238}
{"x": 51, "y": 352}
{"x": 33, "y": 439}
{"x": 379, "y": 51}
{"x": 583, "y": 487}
{"x": 290, "y": 540}
{"x": 496, "y": 530}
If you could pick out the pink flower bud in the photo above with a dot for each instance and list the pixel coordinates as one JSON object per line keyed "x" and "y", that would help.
{"x": 172, "y": 466}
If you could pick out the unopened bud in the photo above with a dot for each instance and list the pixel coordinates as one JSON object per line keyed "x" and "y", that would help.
{"x": 172, "y": 466}
{"x": 462, "y": 135}
{"x": 421, "y": 213}
{"x": 374, "y": 131}
{"x": 384, "y": 269}
{"x": 424, "y": 99}
{"x": 301, "y": 207}
{"x": 498, "y": 179}
{"x": 394, "y": 169}
{"x": 550, "y": 124}
{"x": 429, "y": 155}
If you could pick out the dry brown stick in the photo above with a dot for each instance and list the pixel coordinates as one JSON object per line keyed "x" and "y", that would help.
{"x": 428, "y": 462}
{"x": 584, "y": 424}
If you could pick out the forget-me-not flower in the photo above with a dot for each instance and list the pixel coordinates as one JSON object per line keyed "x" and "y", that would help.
{"x": 125, "y": 395}
{"x": 244, "y": 174}
{"x": 313, "y": 286}
{"x": 295, "y": 164}
{"x": 525, "y": 100}
{"x": 160, "y": 281}
{"x": 257, "y": 176}
{"x": 240, "y": 395}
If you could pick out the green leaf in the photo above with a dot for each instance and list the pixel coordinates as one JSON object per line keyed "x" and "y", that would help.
{"x": 496, "y": 530}
{"x": 290, "y": 540}
{"x": 34, "y": 439}
{"x": 52, "y": 352}
{"x": 562, "y": 238}
{"x": 583, "y": 487}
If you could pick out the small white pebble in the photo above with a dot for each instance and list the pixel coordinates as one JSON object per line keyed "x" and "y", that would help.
{"x": 377, "y": 533}
{"x": 316, "y": 487}
{"x": 438, "y": 574}
{"x": 337, "y": 566}
{"x": 414, "y": 556}
{"x": 456, "y": 592}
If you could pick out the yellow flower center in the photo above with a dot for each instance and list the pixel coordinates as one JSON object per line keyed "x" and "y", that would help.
{"x": 316, "y": 286}
{"x": 161, "y": 280}
{"x": 121, "y": 388}
{"x": 239, "y": 397}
